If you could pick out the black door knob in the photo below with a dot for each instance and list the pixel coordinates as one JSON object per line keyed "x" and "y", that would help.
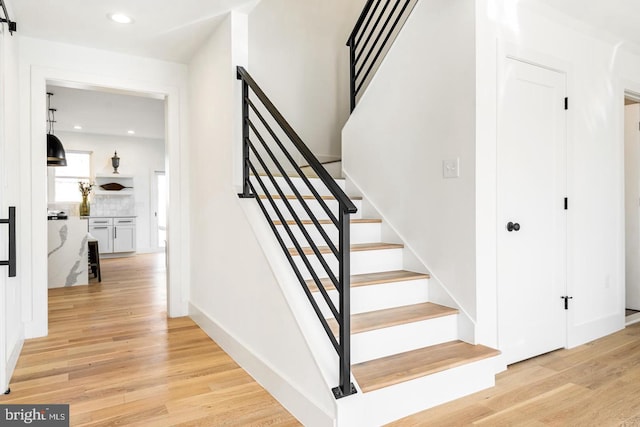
{"x": 513, "y": 226}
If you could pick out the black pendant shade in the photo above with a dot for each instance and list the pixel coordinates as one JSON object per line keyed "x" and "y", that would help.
{"x": 55, "y": 152}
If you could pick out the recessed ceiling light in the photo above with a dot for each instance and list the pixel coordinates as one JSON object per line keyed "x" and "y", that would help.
{"x": 120, "y": 18}
{"x": 77, "y": 127}
{"x": 131, "y": 132}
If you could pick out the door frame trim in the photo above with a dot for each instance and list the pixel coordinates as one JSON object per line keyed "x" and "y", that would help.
{"x": 34, "y": 226}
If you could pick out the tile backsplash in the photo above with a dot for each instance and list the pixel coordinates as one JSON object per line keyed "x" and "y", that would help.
{"x": 112, "y": 206}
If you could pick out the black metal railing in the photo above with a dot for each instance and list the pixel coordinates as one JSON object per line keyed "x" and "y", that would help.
{"x": 270, "y": 146}
{"x": 376, "y": 27}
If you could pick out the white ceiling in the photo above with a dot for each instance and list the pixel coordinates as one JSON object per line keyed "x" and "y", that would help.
{"x": 162, "y": 29}
{"x": 173, "y": 30}
{"x": 107, "y": 113}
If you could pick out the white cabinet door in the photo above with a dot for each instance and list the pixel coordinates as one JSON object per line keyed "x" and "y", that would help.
{"x": 104, "y": 234}
{"x": 124, "y": 238}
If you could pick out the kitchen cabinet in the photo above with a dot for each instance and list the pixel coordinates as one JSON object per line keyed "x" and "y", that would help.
{"x": 102, "y": 229}
{"x": 115, "y": 235}
{"x": 124, "y": 235}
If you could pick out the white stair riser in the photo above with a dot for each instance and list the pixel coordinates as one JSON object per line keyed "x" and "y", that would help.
{"x": 400, "y": 400}
{"x": 381, "y": 296}
{"x": 334, "y": 169}
{"x": 360, "y": 233}
{"x": 361, "y": 262}
{"x": 315, "y": 207}
{"x": 397, "y": 339}
{"x": 298, "y": 183}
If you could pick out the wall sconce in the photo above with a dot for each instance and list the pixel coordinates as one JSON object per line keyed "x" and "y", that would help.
{"x": 115, "y": 162}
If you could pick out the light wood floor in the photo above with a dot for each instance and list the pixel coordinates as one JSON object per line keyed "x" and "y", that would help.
{"x": 597, "y": 384}
{"x": 113, "y": 355}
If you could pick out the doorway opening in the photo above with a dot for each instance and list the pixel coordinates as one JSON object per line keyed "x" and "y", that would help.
{"x": 632, "y": 206}
{"x": 103, "y": 124}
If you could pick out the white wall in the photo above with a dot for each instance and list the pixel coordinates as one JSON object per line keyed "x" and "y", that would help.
{"x": 43, "y": 62}
{"x": 234, "y": 294}
{"x": 139, "y": 157}
{"x": 632, "y": 205}
{"x": 417, "y": 112}
{"x": 299, "y": 57}
{"x": 598, "y": 68}
{"x": 11, "y": 323}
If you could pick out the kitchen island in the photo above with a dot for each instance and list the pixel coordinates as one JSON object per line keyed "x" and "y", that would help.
{"x": 67, "y": 252}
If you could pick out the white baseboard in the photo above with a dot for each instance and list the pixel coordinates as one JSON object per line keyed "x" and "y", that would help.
{"x": 292, "y": 399}
{"x": 630, "y": 320}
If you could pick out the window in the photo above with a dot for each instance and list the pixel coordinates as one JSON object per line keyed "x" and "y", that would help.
{"x": 66, "y": 178}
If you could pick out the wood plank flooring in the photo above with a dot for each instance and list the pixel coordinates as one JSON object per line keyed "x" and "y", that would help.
{"x": 594, "y": 385}
{"x": 116, "y": 358}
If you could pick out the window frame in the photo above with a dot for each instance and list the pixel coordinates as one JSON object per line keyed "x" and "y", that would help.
{"x": 76, "y": 178}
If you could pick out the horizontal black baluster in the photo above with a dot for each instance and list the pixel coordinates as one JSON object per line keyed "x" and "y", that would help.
{"x": 313, "y": 162}
{"x": 375, "y": 59}
{"x": 375, "y": 43}
{"x": 366, "y": 25}
{"x": 293, "y": 163}
{"x": 298, "y": 248}
{"x": 361, "y": 18}
{"x": 301, "y": 199}
{"x": 345, "y": 208}
{"x": 295, "y": 242}
{"x": 372, "y": 32}
{"x": 307, "y": 291}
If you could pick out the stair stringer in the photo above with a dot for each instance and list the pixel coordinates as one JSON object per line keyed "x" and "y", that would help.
{"x": 318, "y": 345}
{"x": 438, "y": 293}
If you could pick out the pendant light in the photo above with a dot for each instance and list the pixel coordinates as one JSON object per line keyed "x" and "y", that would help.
{"x": 55, "y": 151}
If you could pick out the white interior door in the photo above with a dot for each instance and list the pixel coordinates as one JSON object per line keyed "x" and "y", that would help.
{"x": 5, "y": 370}
{"x": 11, "y": 325}
{"x": 531, "y": 191}
{"x": 632, "y": 205}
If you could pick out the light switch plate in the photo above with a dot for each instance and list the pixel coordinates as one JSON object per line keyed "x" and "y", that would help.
{"x": 451, "y": 168}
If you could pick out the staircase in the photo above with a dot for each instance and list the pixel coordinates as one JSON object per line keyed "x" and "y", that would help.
{"x": 397, "y": 351}
{"x": 405, "y": 351}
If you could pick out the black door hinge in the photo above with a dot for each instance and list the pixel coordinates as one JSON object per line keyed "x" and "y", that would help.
{"x": 566, "y": 301}
{"x": 566, "y": 103}
{"x": 566, "y": 203}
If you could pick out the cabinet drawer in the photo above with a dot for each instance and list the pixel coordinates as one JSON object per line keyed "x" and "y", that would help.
{"x": 100, "y": 221}
{"x": 124, "y": 221}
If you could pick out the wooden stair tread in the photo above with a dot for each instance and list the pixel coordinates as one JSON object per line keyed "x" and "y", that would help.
{"x": 372, "y": 320}
{"x": 354, "y": 248}
{"x": 328, "y": 221}
{"x": 376, "y": 374}
{"x": 371, "y": 279}
{"x": 304, "y": 197}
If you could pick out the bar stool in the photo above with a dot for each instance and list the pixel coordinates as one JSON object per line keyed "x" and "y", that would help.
{"x": 94, "y": 259}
